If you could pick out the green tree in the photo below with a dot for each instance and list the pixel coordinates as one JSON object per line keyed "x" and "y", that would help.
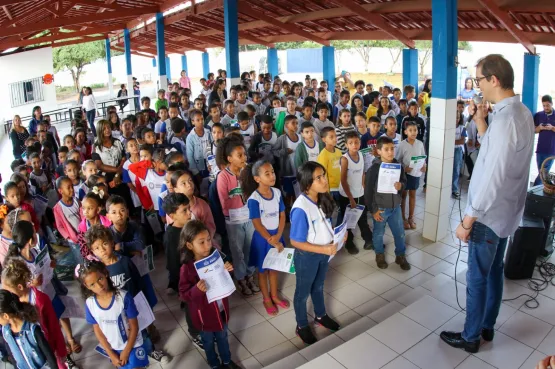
{"x": 75, "y": 57}
{"x": 362, "y": 47}
{"x": 425, "y": 51}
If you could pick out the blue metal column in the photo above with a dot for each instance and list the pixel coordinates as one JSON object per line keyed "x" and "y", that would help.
{"x": 530, "y": 81}
{"x": 273, "y": 62}
{"x": 443, "y": 115}
{"x": 184, "y": 63}
{"x": 127, "y": 47}
{"x": 231, "y": 42}
{"x": 205, "y": 64}
{"x": 168, "y": 69}
{"x": 328, "y": 58}
{"x": 410, "y": 68}
{"x": 153, "y": 62}
{"x": 161, "y": 51}
{"x": 109, "y": 64}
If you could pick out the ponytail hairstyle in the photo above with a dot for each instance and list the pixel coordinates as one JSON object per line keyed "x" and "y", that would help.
{"x": 11, "y": 306}
{"x": 226, "y": 147}
{"x": 304, "y": 177}
{"x": 16, "y": 273}
{"x": 246, "y": 178}
{"x": 22, "y": 232}
{"x": 90, "y": 265}
{"x": 191, "y": 230}
{"x": 98, "y": 197}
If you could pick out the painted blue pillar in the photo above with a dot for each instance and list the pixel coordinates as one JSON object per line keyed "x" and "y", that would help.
{"x": 410, "y": 68}
{"x": 163, "y": 73}
{"x": 530, "y": 81}
{"x": 328, "y": 58}
{"x": 273, "y": 62}
{"x": 109, "y": 64}
{"x": 184, "y": 63}
{"x": 168, "y": 68}
{"x": 205, "y": 64}
{"x": 127, "y": 48}
{"x": 442, "y": 123}
{"x": 231, "y": 42}
{"x": 153, "y": 62}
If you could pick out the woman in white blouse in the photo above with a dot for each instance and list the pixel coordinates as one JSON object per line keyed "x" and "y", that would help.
{"x": 89, "y": 105}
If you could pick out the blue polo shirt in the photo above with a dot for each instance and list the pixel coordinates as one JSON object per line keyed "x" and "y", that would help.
{"x": 546, "y": 140}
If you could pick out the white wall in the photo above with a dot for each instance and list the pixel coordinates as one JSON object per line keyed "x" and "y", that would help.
{"x": 24, "y": 66}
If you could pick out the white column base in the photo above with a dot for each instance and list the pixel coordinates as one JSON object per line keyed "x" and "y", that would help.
{"x": 163, "y": 83}
{"x": 110, "y": 85}
{"x": 440, "y": 169}
{"x": 131, "y": 92}
{"x": 231, "y": 82}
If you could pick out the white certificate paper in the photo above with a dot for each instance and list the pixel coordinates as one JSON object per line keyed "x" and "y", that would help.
{"x": 146, "y": 316}
{"x": 145, "y": 261}
{"x": 353, "y": 215}
{"x": 390, "y": 173}
{"x": 218, "y": 280}
{"x": 42, "y": 266}
{"x": 416, "y": 163}
{"x": 280, "y": 261}
{"x": 339, "y": 236}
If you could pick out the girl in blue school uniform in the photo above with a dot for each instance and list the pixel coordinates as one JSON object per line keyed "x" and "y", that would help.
{"x": 267, "y": 213}
{"x": 312, "y": 235}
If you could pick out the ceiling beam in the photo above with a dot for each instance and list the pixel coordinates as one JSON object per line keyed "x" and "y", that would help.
{"x": 244, "y": 8}
{"x": 59, "y": 36}
{"x": 5, "y": 8}
{"x": 188, "y": 35}
{"x": 377, "y": 21}
{"x": 221, "y": 28}
{"x": 101, "y": 5}
{"x": 61, "y": 22}
{"x": 509, "y": 25}
{"x": 27, "y": 13}
{"x": 78, "y": 41}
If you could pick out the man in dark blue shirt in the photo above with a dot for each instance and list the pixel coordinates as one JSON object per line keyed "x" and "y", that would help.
{"x": 545, "y": 127}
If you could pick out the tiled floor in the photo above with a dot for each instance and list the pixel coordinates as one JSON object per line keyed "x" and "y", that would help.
{"x": 390, "y": 319}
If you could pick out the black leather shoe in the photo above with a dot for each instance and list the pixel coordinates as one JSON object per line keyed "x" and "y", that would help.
{"x": 487, "y": 334}
{"x": 455, "y": 339}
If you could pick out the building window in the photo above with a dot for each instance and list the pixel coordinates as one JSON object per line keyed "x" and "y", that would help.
{"x": 26, "y": 92}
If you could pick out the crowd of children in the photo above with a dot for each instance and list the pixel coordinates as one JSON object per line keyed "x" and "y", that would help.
{"x": 198, "y": 177}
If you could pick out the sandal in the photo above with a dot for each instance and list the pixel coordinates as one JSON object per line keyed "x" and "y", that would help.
{"x": 406, "y": 224}
{"x": 281, "y": 303}
{"x": 74, "y": 346}
{"x": 272, "y": 310}
{"x": 411, "y": 222}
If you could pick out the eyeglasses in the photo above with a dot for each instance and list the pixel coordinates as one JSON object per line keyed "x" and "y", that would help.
{"x": 478, "y": 79}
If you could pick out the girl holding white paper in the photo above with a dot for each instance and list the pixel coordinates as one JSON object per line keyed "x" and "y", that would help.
{"x": 267, "y": 213}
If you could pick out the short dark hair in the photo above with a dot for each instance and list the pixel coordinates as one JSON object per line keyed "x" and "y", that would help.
{"x": 384, "y": 140}
{"x": 344, "y": 93}
{"x": 63, "y": 149}
{"x": 408, "y": 89}
{"x": 218, "y": 125}
{"x": 242, "y": 116}
{"x": 115, "y": 200}
{"x": 496, "y": 65}
{"x": 98, "y": 232}
{"x": 173, "y": 105}
{"x": 306, "y": 124}
{"x": 147, "y": 147}
{"x": 325, "y": 131}
{"x": 322, "y": 106}
{"x": 163, "y": 107}
{"x": 173, "y": 201}
{"x": 547, "y": 98}
{"x": 289, "y": 118}
{"x": 359, "y": 82}
{"x": 460, "y": 102}
{"x": 177, "y": 125}
{"x": 351, "y": 134}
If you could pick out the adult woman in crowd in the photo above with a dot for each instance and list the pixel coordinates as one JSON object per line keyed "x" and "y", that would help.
{"x": 109, "y": 155}
{"x": 218, "y": 92}
{"x": 184, "y": 80}
{"x": 18, "y": 135}
{"x": 468, "y": 91}
{"x": 89, "y": 105}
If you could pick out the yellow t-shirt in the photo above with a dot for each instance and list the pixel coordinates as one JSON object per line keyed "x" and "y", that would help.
{"x": 425, "y": 103}
{"x": 331, "y": 162}
{"x": 371, "y": 111}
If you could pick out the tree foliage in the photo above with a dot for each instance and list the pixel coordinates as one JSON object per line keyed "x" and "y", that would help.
{"x": 425, "y": 51}
{"x": 75, "y": 57}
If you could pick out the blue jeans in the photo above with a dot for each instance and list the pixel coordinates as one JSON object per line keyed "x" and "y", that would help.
{"x": 210, "y": 348}
{"x": 457, "y": 166}
{"x": 484, "y": 279}
{"x": 540, "y": 158}
{"x": 311, "y": 271}
{"x": 91, "y": 114}
{"x": 240, "y": 238}
{"x": 394, "y": 218}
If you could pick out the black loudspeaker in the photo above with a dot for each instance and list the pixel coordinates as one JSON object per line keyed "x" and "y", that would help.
{"x": 524, "y": 248}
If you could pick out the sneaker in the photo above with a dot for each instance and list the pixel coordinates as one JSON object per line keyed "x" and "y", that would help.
{"x": 328, "y": 323}
{"x": 456, "y": 195}
{"x": 368, "y": 245}
{"x": 306, "y": 335}
{"x": 160, "y": 356}
{"x": 352, "y": 249}
{"x": 197, "y": 341}
{"x": 244, "y": 288}
{"x": 70, "y": 363}
{"x": 171, "y": 292}
{"x": 252, "y": 284}
{"x": 230, "y": 365}
{"x": 380, "y": 260}
{"x": 402, "y": 261}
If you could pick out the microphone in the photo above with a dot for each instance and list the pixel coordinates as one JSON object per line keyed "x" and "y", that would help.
{"x": 477, "y": 99}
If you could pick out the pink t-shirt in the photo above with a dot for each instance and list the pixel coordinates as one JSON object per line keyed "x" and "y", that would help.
{"x": 229, "y": 191}
{"x": 4, "y": 246}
